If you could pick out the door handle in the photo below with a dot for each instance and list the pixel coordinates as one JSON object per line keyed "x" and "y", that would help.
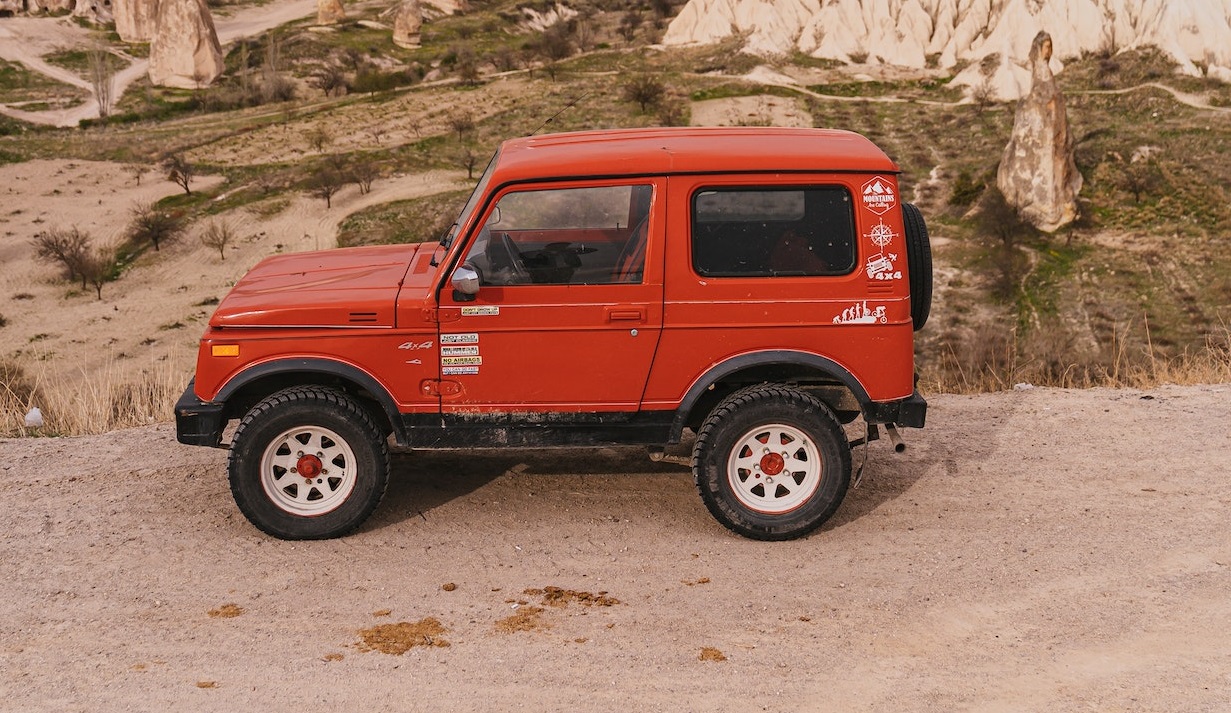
{"x": 625, "y": 314}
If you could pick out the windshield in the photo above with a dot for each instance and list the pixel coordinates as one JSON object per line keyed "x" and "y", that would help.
{"x": 472, "y": 202}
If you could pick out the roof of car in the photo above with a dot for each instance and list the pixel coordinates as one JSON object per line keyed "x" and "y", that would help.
{"x": 676, "y": 150}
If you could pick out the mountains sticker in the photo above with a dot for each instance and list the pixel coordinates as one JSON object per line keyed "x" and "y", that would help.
{"x": 879, "y": 195}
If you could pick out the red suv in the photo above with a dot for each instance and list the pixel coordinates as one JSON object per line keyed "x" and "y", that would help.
{"x": 758, "y": 286}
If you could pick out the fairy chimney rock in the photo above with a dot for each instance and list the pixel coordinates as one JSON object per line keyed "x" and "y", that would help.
{"x": 1037, "y": 174}
{"x": 407, "y": 23}
{"x": 134, "y": 19}
{"x": 329, "y": 12}
{"x": 184, "y": 52}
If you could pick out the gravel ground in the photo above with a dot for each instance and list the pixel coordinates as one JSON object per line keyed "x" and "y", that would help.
{"x": 1035, "y": 550}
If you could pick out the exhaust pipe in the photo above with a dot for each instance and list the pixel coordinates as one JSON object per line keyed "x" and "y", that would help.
{"x": 898, "y": 445}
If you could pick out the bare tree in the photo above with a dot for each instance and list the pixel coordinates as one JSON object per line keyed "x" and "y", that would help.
{"x": 363, "y": 173}
{"x": 461, "y": 124}
{"x": 154, "y": 225}
{"x": 326, "y": 182}
{"x": 137, "y": 170}
{"x": 1140, "y": 177}
{"x": 99, "y": 267}
{"x": 468, "y": 160}
{"x": 218, "y": 235}
{"x": 331, "y": 80}
{"x": 180, "y": 171}
{"x": 101, "y": 73}
{"x": 319, "y": 137}
{"x": 378, "y": 133}
{"x": 67, "y": 247}
{"x": 555, "y": 45}
{"x": 583, "y": 32}
{"x": 629, "y": 24}
{"x": 983, "y": 95}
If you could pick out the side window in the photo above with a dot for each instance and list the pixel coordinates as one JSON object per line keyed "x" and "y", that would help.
{"x": 567, "y": 236}
{"x": 773, "y": 232}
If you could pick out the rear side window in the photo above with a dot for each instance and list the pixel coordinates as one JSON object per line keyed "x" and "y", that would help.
{"x": 773, "y": 232}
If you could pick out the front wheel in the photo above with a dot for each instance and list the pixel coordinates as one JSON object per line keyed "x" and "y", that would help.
{"x": 771, "y": 462}
{"x": 308, "y": 463}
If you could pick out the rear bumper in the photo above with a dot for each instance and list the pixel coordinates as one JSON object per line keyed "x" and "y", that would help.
{"x": 197, "y": 422}
{"x": 910, "y": 412}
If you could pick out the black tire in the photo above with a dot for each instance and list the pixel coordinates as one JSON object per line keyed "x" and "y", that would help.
{"x": 788, "y": 503}
{"x": 316, "y": 430}
{"x": 919, "y": 265}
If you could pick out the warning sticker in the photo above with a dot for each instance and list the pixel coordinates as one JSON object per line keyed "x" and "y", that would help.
{"x": 879, "y": 196}
{"x": 459, "y": 370}
{"x": 477, "y": 310}
{"x": 459, "y": 351}
{"x": 461, "y": 361}
{"x": 464, "y": 338}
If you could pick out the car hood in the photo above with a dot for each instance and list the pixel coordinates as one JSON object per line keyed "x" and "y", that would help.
{"x": 351, "y": 287}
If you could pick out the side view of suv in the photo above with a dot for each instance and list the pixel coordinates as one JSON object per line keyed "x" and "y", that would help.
{"x": 759, "y": 286}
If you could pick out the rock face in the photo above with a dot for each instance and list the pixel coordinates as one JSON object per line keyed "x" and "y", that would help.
{"x": 96, "y": 11}
{"x": 407, "y": 23}
{"x": 134, "y": 19}
{"x": 184, "y": 52}
{"x": 329, "y": 12}
{"x": 1037, "y": 174}
{"x": 944, "y": 33}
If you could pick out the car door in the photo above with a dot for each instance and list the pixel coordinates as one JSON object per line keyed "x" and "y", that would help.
{"x": 569, "y": 310}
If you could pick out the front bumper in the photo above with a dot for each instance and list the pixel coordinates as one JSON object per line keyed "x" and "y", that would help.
{"x": 910, "y": 412}
{"x": 197, "y": 422}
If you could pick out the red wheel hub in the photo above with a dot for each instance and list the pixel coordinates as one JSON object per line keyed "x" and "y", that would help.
{"x": 772, "y": 464}
{"x": 308, "y": 466}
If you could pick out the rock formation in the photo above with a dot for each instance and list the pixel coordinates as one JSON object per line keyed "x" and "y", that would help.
{"x": 946, "y": 33}
{"x": 134, "y": 19}
{"x": 1037, "y": 174}
{"x": 406, "y": 24}
{"x": 96, "y": 11}
{"x": 329, "y": 12}
{"x": 184, "y": 52}
{"x": 449, "y": 7}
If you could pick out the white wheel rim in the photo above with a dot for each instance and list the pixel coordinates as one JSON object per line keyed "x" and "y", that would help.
{"x": 774, "y": 469}
{"x": 308, "y": 451}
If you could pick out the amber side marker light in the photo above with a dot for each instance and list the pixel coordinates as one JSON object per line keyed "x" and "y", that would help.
{"x": 224, "y": 350}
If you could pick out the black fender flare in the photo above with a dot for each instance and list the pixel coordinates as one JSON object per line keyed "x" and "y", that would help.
{"x": 329, "y": 367}
{"x": 765, "y": 358}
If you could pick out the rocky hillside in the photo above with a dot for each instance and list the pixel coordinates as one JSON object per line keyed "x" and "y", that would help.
{"x": 986, "y": 43}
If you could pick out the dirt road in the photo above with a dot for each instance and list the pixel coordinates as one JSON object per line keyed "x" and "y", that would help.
{"x": 1035, "y": 550}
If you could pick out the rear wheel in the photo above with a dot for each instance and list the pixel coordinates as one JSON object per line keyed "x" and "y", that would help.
{"x": 308, "y": 463}
{"x": 771, "y": 462}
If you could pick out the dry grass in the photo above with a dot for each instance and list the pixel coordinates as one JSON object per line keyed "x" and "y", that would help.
{"x": 990, "y": 360}
{"x": 105, "y": 400}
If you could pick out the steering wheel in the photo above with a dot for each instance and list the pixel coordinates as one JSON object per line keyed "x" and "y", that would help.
{"x": 513, "y": 261}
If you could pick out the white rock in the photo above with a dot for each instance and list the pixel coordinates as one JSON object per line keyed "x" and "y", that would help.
{"x": 907, "y": 32}
{"x": 34, "y": 419}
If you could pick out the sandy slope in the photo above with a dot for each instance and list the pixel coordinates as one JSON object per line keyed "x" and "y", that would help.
{"x": 1040, "y": 550}
{"x": 155, "y": 313}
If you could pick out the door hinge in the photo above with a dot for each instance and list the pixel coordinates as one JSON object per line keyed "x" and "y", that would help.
{"x": 440, "y": 387}
{"x": 441, "y": 314}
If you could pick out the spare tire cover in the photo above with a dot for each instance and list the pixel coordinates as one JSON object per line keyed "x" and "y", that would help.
{"x": 919, "y": 260}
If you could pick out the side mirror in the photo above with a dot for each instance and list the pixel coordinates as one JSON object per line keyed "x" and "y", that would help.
{"x": 465, "y": 284}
